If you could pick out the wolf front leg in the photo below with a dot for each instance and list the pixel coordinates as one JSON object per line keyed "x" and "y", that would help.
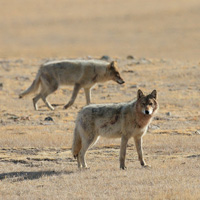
{"x": 77, "y": 87}
{"x": 87, "y": 95}
{"x": 124, "y": 141}
{"x": 138, "y": 144}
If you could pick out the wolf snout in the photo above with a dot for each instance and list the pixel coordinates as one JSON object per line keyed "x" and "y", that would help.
{"x": 120, "y": 81}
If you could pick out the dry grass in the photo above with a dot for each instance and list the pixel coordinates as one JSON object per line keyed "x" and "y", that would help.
{"x": 35, "y": 157}
{"x": 171, "y": 177}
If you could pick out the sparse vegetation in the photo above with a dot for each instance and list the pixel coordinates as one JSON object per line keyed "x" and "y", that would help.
{"x": 35, "y": 154}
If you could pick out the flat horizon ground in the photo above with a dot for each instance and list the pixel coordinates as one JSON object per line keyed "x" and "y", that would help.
{"x": 35, "y": 155}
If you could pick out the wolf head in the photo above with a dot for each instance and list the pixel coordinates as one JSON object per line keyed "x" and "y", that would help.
{"x": 114, "y": 73}
{"x": 148, "y": 104}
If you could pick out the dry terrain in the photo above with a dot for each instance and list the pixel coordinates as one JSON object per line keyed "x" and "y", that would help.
{"x": 35, "y": 154}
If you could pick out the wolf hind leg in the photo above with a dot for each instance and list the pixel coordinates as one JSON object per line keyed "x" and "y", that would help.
{"x": 46, "y": 89}
{"x": 35, "y": 100}
{"x": 43, "y": 97}
{"x": 86, "y": 143}
{"x": 46, "y": 102}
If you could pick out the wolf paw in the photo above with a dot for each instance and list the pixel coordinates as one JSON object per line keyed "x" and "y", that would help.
{"x": 123, "y": 167}
{"x": 146, "y": 166}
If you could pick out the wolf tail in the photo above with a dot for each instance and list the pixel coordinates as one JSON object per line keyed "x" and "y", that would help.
{"x": 76, "y": 146}
{"x": 34, "y": 86}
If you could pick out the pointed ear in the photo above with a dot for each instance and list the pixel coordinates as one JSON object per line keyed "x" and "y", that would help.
{"x": 139, "y": 94}
{"x": 112, "y": 64}
{"x": 154, "y": 94}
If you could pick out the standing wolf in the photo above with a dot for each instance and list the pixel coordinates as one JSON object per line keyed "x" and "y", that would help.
{"x": 122, "y": 120}
{"x": 80, "y": 73}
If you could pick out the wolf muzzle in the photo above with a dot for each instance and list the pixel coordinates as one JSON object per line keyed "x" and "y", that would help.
{"x": 120, "y": 81}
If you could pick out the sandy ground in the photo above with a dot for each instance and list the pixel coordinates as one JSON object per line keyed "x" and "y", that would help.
{"x": 163, "y": 38}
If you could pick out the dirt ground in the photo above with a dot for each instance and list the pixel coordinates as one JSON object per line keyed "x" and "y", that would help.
{"x": 35, "y": 154}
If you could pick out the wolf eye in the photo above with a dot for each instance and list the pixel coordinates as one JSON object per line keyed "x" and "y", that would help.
{"x": 150, "y": 104}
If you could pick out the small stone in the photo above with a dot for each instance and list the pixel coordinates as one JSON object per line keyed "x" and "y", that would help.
{"x": 133, "y": 86}
{"x": 130, "y": 57}
{"x": 168, "y": 114}
{"x": 48, "y": 119}
{"x": 158, "y": 118}
{"x": 105, "y": 57}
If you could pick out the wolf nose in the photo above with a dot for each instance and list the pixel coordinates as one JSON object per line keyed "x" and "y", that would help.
{"x": 146, "y": 112}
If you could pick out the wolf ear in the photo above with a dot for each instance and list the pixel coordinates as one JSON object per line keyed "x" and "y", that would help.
{"x": 139, "y": 94}
{"x": 112, "y": 64}
{"x": 154, "y": 94}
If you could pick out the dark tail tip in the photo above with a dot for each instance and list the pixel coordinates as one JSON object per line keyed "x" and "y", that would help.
{"x": 20, "y": 96}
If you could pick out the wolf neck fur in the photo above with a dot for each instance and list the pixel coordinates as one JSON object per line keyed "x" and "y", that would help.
{"x": 100, "y": 75}
{"x": 140, "y": 120}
